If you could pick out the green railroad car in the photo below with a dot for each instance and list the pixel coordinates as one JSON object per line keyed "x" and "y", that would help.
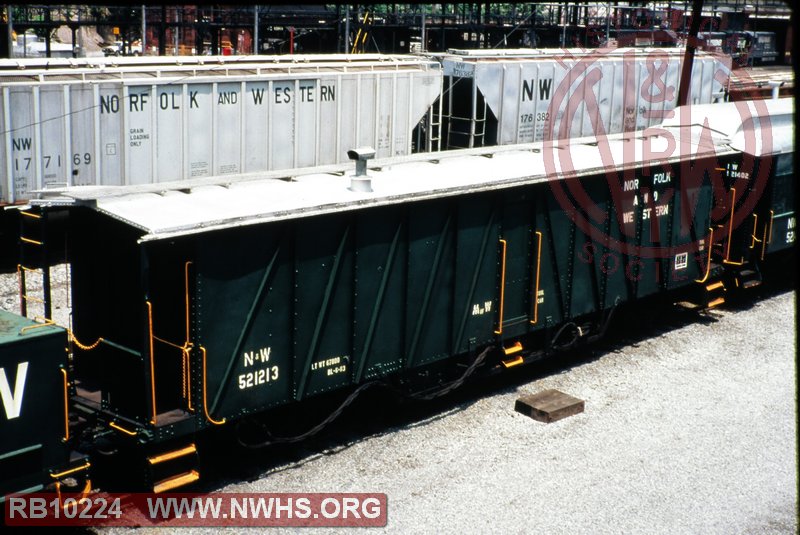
{"x": 200, "y": 303}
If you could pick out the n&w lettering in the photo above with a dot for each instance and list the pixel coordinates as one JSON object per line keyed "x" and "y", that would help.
{"x": 544, "y": 89}
{"x": 12, "y": 402}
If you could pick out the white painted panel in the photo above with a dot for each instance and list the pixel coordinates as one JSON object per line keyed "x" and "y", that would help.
{"x": 112, "y": 144}
{"x": 366, "y": 111}
{"x": 349, "y": 117}
{"x": 169, "y": 138}
{"x": 307, "y": 122}
{"x": 52, "y": 157}
{"x": 256, "y": 108}
{"x": 139, "y": 134}
{"x": 227, "y": 129}
{"x": 200, "y": 129}
{"x": 329, "y": 102}
{"x": 282, "y": 123}
{"x": 23, "y": 163}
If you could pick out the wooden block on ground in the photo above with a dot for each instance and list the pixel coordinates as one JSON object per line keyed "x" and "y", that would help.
{"x": 549, "y": 405}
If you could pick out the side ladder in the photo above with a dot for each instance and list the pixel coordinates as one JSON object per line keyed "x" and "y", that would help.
{"x": 33, "y": 259}
{"x": 173, "y": 469}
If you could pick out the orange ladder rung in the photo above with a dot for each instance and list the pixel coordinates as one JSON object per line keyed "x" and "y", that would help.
{"x": 176, "y": 481}
{"x": 170, "y": 455}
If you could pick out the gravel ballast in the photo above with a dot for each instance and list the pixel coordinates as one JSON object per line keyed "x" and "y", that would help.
{"x": 691, "y": 431}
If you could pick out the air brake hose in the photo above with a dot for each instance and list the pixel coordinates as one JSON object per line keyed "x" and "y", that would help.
{"x": 353, "y": 395}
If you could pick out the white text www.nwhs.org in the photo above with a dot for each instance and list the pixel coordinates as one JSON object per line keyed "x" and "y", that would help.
{"x": 259, "y": 507}
{"x": 201, "y": 507}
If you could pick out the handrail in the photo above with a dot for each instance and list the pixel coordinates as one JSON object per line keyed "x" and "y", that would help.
{"x": 59, "y": 475}
{"x": 45, "y": 323}
{"x": 29, "y": 214}
{"x": 118, "y": 427}
{"x": 767, "y": 234}
{"x": 771, "y": 217}
{"x": 66, "y": 403}
{"x": 755, "y": 230}
{"x": 536, "y": 289}
{"x": 153, "y": 419}
{"x": 730, "y": 225}
{"x": 504, "y": 245}
{"x": 727, "y": 259}
{"x": 205, "y": 398}
{"x": 22, "y": 304}
{"x": 187, "y": 346}
{"x": 708, "y": 258}
{"x": 187, "y": 387}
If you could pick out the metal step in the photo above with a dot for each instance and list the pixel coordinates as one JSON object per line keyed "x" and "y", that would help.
{"x": 749, "y": 278}
{"x": 170, "y": 455}
{"x": 714, "y": 294}
{"x": 174, "y": 482}
{"x": 715, "y": 286}
{"x": 510, "y": 363}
